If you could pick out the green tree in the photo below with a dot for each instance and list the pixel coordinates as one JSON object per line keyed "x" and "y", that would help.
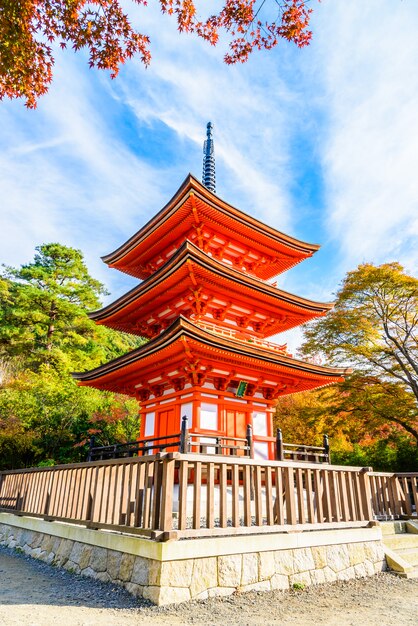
{"x": 43, "y": 313}
{"x": 356, "y": 415}
{"x": 45, "y": 333}
{"x": 46, "y": 417}
{"x": 373, "y": 328}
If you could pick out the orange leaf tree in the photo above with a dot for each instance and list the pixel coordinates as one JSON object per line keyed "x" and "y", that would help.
{"x": 29, "y": 28}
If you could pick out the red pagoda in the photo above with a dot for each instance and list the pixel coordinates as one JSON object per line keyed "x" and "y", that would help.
{"x": 207, "y": 310}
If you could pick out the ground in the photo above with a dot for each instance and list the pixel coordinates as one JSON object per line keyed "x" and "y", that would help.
{"x": 35, "y": 594}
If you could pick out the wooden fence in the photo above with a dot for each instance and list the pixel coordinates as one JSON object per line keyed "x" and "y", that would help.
{"x": 176, "y": 495}
{"x": 394, "y": 495}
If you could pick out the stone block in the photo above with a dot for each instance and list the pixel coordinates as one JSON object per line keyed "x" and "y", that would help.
{"x": 26, "y": 537}
{"x": 113, "y": 564}
{"x": 338, "y": 558}
{"x": 70, "y": 566}
{"x": 76, "y": 552}
{"x": 319, "y": 554}
{"x": 284, "y": 562}
{"x": 63, "y": 551}
{"x": 85, "y": 557}
{"x": 47, "y": 543}
{"x": 140, "y": 571}
{"x": 204, "y": 577}
{"x": 200, "y": 596}
{"x": 369, "y": 568}
{"x": 154, "y": 572}
{"x": 50, "y": 558}
{"x": 330, "y": 575}
{"x": 249, "y": 573}
{"x": 380, "y": 566}
{"x": 266, "y": 565}
{"x": 56, "y": 543}
{"x": 262, "y": 585}
{"x": 301, "y": 578}
{"x": 167, "y": 595}
{"x": 36, "y": 540}
{"x": 151, "y": 593}
{"x": 221, "y": 591}
{"x": 357, "y": 553}
{"x": 126, "y": 567}
{"x": 317, "y": 576}
{"x": 135, "y": 590}
{"x": 303, "y": 560}
{"x": 346, "y": 574}
{"x": 98, "y": 559}
{"x": 103, "y": 576}
{"x": 374, "y": 551}
{"x": 90, "y": 573}
{"x": 36, "y": 553}
{"x": 360, "y": 570}
{"x": 279, "y": 582}
{"x": 177, "y": 573}
{"x": 229, "y": 570}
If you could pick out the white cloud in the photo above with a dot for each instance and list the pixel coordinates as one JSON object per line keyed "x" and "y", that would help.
{"x": 368, "y": 53}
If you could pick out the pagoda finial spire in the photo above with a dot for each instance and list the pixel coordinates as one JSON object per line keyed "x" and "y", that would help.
{"x": 208, "y": 176}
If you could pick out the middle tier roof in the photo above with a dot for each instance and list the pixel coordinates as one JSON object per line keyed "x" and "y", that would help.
{"x": 199, "y": 287}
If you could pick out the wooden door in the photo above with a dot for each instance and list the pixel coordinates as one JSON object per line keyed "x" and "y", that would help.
{"x": 236, "y": 426}
{"x": 167, "y": 424}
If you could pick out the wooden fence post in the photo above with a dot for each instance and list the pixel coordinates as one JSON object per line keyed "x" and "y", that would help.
{"x": 279, "y": 445}
{"x": 184, "y": 436}
{"x": 250, "y": 443}
{"x": 91, "y": 446}
{"x": 166, "y": 494}
{"x": 326, "y": 449}
{"x": 366, "y": 494}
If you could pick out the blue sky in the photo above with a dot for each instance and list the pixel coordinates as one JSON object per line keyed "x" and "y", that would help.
{"x": 321, "y": 143}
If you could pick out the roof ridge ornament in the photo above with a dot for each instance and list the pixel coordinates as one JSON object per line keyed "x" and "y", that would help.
{"x": 208, "y": 176}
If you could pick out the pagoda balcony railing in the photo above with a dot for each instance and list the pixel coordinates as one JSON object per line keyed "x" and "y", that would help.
{"x": 245, "y": 337}
{"x": 187, "y": 441}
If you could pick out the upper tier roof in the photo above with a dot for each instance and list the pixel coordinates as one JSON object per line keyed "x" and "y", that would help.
{"x": 231, "y": 236}
{"x": 185, "y": 351}
{"x": 194, "y": 284}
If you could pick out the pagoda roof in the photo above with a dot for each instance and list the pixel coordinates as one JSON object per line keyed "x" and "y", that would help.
{"x": 185, "y": 350}
{"x": 196, "y": 212}
{"x": 193, "y": 283}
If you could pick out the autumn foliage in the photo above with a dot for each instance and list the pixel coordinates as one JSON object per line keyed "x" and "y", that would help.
{"x": 30, "y": 28}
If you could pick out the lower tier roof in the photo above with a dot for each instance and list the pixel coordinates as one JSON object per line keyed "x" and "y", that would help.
{"x": 185, "y": 353}
{"x": 201, "y": 288}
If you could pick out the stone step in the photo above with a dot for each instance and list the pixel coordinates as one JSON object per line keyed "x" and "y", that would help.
{"x": 392, "y": 528}
{"x": 401, "y": 541}
{"x": 410, "y": 555}
{"x": 412, "y": 526}
{"x": 399, "y": 565}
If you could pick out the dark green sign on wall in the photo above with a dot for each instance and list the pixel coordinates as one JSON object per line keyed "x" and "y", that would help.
{"x": 242, "y": 388}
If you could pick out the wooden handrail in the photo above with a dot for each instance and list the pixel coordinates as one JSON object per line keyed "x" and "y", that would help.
{"x": 131, "y": 447}
{"x": 139, "y": 495}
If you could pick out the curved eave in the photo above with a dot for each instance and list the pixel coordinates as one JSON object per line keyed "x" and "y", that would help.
{"x": 183, "y": 329}
{"x": 300, "y": 249}
{"x": 190, "y": 252}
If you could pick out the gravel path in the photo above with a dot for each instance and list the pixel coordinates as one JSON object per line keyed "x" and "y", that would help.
{"x": 35, "y": 594}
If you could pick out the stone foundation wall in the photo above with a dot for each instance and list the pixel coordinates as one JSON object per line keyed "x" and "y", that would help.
{"x": 181, "y": 579}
